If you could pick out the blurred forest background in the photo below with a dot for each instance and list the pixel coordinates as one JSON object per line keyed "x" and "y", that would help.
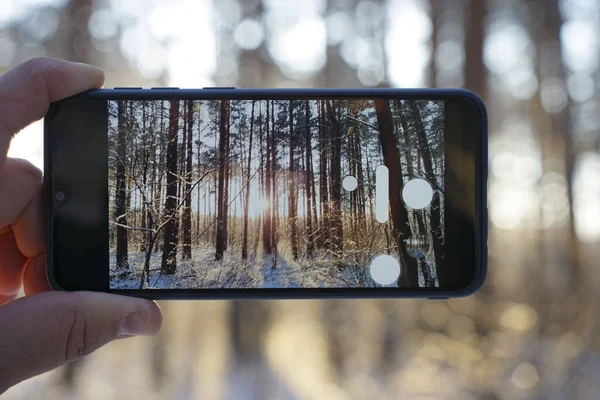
{"x": 534, "y": 329}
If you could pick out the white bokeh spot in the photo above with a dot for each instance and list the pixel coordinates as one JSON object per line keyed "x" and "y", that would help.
{"x": 385, "y": 269}
{"x": 350, "y": 183}
{"x": 417, "y": 194}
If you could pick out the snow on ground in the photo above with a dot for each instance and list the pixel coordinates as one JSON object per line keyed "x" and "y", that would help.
{"x": 259, "y": 271}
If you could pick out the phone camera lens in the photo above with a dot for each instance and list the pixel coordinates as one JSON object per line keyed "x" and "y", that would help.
{"x": 59, "y": 196}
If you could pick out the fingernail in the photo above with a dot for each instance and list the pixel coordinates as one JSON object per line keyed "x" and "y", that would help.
{"x": 135, "y": 324}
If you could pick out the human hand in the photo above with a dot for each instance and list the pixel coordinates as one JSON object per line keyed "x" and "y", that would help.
{"x": 45, "y": 329}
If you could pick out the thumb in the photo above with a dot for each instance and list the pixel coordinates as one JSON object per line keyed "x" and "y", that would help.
{"x": 44, "y": 331}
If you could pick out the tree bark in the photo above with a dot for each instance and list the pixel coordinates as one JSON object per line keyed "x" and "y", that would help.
{"x": 247, "y": 198}
{"x": 151, "y": 209}
{"x": 309, "y": 226}
{"x": 222, "y": 183}
{"x": 145, "y": 166}
{"x": 160, "y": 167}
{"x": 171, "y": 235}
{"x": 227, "y": 176}
{"x": 199, "y": 172}
{"x": 360, "y": 190}
{"x": 436, "y": 210}
{"x": 187, "y": 210}
{"x": 323, "y": 185}
{"x": 122, "y": 260}
{"x": 401, "y": 227}
{"x": 336, "y": 232}
{"x": 273, "y": 203}
{"x": 292, "y": 217}
{"x": 267, "y": 236}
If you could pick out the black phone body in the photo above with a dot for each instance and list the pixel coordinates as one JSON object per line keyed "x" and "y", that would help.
{"x": 267, "y": 193}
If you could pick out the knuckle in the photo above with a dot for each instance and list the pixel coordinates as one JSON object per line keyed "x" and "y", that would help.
{"x": 36, "y": 67}
{"x": 80, "y": 334}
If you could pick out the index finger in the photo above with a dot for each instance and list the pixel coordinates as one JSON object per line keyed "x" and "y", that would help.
{"x": 27, "y": 90}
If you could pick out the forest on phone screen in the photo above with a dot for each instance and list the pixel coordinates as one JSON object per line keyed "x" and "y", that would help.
{"x": 272, "y": 193}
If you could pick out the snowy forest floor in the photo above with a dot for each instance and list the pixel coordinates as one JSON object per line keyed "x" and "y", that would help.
{"x": 258, "y": 271}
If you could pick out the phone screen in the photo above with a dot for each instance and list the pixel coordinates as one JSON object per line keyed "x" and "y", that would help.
{"x": 327, "y": 193}
{"x": 267, "y": 193}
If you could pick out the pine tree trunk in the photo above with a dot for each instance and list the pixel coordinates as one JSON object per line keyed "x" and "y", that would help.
{"x": 360, "y": 190}
{"x": 273, "y": 202}
{"x": 436, "y": 210}
{"x": 309, "y": 226}
{"x": 315, "y": 229}
{"x": 336, "y": 233}
{"x": 199, "y": 190}
{"x": 267, "y": 221}
{"x": 144, "y": 216}
{"x": 122, "y": 256}
{"x": 292, "y": 217}
{"x": 160, "y": 168}
{"x": 323, "y": 185}
{"x": 261, "y": 175}
{"x": 181, "y": 146}
{"x": 247, "y": 197}
{"x": 401, "y": 226}
{"x": 223, "y": 161}
{"x": 151, "y": 210}
{"x": 216, "y": 205}
{"x": 187, "y": 210}
{"x": 171, "y": 234}
{"x": 227, "y": 177}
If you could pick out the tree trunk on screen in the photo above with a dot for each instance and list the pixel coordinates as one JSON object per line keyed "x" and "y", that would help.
{"x": 169, "y": 255}
{"x": 181, "y": 146}
{"x": 360, "y": 190}
{"x": 199, "y": 190}
{"x": 161, "y": 160}
{"x": 145, "y": 166}
{"x": 151, "y": 209}
{"x": 187, "y": 210}
{"x": 400, "y": 223}
{"x": 261, "y": 178}
{"x": 323, "y": 185}
{"x": 122, "y": 260}
{"x": 313, "y": 191}
{"x": 227, "y": 176}
{"x": 292, "y": 217}
{"x": 222, "y": 181}
{"x": 336, "y": 233}
{"x": 273, "y": 203}
{"x": 351, "y": 160}
{"x": 267, "y": 243}
{"x": 369, "y": 193}
{"x": 216, "y": 204}
{"x": 435, "y": 207}
{"x": 309, "y": 226}
{"x": 247, "y": 198}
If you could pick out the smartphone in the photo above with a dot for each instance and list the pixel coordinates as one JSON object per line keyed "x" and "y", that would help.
{"x": 267, "y": 193}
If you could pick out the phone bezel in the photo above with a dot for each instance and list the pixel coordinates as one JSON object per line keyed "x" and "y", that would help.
{"x": 471, "y": 246}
